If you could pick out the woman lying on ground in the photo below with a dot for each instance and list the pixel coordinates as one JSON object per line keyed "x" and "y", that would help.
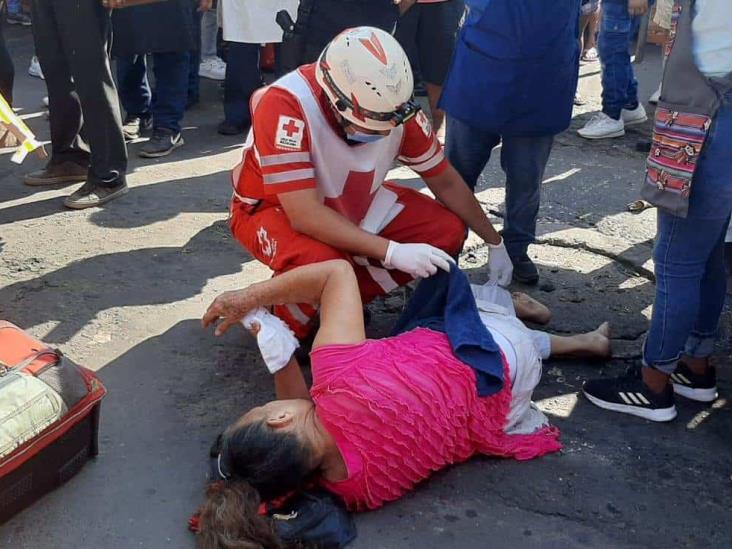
{"x": 381, "y": 415}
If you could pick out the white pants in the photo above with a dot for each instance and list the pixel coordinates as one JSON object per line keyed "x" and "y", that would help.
{"x": 524, "y": 350}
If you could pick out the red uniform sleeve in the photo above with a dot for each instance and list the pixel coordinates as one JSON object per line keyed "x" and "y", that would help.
{"x": 282, "y": 144}
{"x": 420, "y": 148}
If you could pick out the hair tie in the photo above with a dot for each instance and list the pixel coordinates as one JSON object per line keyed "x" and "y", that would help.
{"x": 220, "y": 470}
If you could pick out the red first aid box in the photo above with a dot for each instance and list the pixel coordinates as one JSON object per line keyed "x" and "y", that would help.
{"x": 49, "y": 419}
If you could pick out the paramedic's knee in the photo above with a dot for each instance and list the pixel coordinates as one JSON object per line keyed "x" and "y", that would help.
{"x": 447, "y": 232}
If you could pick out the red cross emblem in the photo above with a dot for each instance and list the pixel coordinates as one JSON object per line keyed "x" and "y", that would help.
{"x": 356, "y": 198}
{"x": 290, "y": 128}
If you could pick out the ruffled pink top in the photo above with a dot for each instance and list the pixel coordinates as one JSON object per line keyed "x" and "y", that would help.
{"x": 403, "y": 407}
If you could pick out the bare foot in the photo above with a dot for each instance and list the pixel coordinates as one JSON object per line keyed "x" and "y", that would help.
{"x": 595, "y": 343}
{"x": 527, "y": 308}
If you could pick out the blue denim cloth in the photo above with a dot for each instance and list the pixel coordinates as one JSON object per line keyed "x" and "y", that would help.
{"x": 14, "y": 7}
{"x": 445, "y": 303}
{"x": 167, "y": 103}
{"x": 523, "y": 159}
{"x": 689, "y": 258}
{"x": 619, "y": 86}
{"x": 243, "y": 77}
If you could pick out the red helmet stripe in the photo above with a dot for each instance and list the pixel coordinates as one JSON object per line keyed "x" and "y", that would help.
{"x": 357, "y": 112}
{"x": 373, "y": 44}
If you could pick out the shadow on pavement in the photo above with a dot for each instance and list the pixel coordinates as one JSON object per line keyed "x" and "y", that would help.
{"x": 74, "y": 295}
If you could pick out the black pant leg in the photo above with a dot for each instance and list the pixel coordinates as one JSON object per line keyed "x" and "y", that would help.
{"x": 7, "y": 71}
{"x": 243, "y": 77}
{"x": 64, "y": 107}
{"x": 84, "y": 29}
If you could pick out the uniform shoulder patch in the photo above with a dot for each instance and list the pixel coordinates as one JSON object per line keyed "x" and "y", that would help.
{"x": 289, "y": 134}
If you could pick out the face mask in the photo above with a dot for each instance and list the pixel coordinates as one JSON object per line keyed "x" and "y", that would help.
{"x": 360, "y": 137}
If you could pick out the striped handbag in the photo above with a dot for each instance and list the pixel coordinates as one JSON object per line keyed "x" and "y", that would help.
{"x": 684, "y": 116}
{"x": 678, "y": 138}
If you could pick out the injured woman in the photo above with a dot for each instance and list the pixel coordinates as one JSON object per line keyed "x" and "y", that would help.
{"x": 382, "y": 414}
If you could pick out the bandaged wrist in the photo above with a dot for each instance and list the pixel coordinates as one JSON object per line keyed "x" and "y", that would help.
{"x": 276, "y": 341}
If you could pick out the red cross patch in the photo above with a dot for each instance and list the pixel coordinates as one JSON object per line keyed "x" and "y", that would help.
{"x": 289, "y": 133}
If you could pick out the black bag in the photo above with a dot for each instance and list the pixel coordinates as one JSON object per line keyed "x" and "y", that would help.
{"x": 313, "y": 517}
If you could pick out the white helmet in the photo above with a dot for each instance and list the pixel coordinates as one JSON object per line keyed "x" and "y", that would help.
{"x": 367, "y": 77}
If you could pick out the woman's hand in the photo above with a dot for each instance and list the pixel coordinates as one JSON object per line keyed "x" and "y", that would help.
{"x": 637, "y": 7}
{"x": 228, "y": 309}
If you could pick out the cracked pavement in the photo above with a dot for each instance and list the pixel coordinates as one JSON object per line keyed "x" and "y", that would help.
{"x": 121, "y": 289}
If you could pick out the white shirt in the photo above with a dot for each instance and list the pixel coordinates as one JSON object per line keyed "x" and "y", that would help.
{"x": 712, "y": 28}
{"x": 253, "y": 21}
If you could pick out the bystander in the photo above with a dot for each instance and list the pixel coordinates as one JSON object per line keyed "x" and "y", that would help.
{"x": 72, "y": 40}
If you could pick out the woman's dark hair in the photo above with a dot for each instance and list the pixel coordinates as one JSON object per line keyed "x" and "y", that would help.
{"x": 260, "y": 464}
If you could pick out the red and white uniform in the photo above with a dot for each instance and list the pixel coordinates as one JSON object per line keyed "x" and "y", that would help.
{"x": 297, "y": 143}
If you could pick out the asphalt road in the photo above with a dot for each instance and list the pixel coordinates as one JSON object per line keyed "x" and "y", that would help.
{"x": 121, "y": 290}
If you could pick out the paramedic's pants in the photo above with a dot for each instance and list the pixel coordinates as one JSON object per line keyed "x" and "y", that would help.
{"x": 269, "y": 237}
{"x": 72, "y": 41}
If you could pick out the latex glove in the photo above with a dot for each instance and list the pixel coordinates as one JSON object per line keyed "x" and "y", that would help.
{"x": 276, "y": 341}
{"x": 499, "y": 265}
{"x": 418, "y": 260}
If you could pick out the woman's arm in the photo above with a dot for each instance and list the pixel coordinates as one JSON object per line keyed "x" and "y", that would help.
{"x": 290, "y": 383}
{"x": 330, "y": 284}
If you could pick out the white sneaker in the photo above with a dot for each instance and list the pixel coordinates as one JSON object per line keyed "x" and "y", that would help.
{"x": 212, "y": 68}
{"x": 635, "y": 116}
{"x": 35, "y": 68}
{"x": 653, "y": 99}
{"x": 601, "y": 126}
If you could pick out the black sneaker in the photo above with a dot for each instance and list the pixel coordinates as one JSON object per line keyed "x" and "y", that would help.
{"x": 90, "y": 195}
{"x": 629, "y": 395}
{"x": 134, "y": 126}
{"x": 19, "y": 18}
{"x": 524, "y": 271}
{"x": 699, "y": 387}
{"x": 162, "y": 143}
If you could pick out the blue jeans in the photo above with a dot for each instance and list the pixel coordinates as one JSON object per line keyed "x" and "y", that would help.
{"x": 243, "y": 77}
{"x": 523, "y": 159}
{"x": 167, "y": 103}
{"x": 689, "y": 258}
{"x": 619, "y": 86}
{"x": 14, "y": 7}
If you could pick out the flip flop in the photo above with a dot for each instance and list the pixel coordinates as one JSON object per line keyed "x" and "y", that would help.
{"x": 590, "y": 55}
{"x": 638, "y": 206}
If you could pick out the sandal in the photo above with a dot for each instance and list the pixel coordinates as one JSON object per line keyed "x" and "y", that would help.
{"x": 590, "y": 55}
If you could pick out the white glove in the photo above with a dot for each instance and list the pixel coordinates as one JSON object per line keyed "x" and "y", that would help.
{"x": 276, "y": 341}
{"x": 418, "y": 260}
{"x": 499, "y": 265}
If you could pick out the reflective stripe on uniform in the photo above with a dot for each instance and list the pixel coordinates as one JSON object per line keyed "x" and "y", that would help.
{"x": 286, "y": 177}
{"x": 286, "y": 158}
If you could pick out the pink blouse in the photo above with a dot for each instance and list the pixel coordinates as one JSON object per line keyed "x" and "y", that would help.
{"x": 403, "y": 407}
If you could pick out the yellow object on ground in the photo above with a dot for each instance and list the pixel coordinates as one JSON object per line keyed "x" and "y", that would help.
{"x": 16, "y": 126}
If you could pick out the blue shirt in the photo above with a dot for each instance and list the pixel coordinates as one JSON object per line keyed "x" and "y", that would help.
{"x": 515, "y": 66}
